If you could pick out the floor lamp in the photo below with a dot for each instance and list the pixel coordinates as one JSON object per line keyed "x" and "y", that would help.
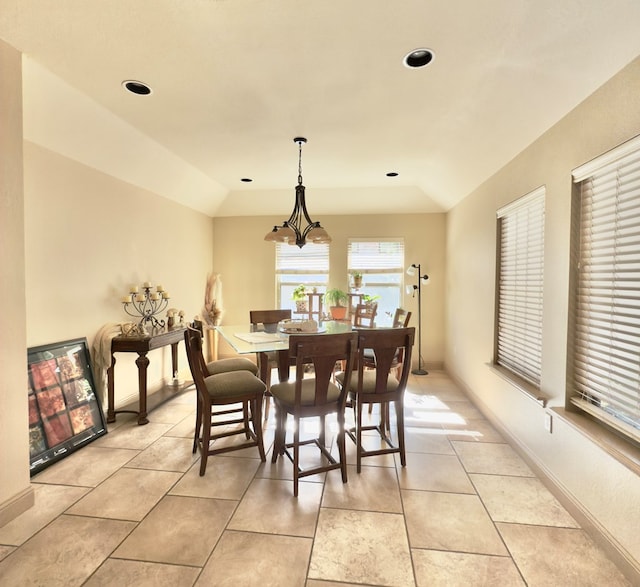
{"x": 413, "y": 270}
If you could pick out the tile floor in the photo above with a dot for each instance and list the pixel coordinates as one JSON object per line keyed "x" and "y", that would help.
{"x": 130, "y": 509}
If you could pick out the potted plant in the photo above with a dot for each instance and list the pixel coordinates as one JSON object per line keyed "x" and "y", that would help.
{"x": 299, "y": 296}
{"x": 367, "y": 300}
{"x": 357, "y": 279}
{"x": 337, "y": 298}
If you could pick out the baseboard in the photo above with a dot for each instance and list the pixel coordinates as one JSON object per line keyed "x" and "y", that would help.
{"x": 627, "y": 564}
{"x": 429, "y": 365}
{"x": 17, "y": 505}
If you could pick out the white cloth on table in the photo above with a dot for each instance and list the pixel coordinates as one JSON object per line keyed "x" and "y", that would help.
{"x": 101, "y": 356}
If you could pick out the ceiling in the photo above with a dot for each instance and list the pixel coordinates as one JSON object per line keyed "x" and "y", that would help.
{"x": 234, "y": 81}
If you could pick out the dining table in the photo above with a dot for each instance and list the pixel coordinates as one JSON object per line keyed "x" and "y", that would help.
{"x": 244, "y": 340}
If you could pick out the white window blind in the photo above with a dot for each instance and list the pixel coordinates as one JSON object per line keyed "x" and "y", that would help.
{"x": 606, "y": 353}
{"x": 295, "y": 266}
{"x": 312, "y": 258}
{"x": 381, "y": 262}
{"x": 376, "y": 255}
{"x": 520, "y": 281}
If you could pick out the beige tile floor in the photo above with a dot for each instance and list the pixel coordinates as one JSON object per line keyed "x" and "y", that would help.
{"x": 131, "y": 509}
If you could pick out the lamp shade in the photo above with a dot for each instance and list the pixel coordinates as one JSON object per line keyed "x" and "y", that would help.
{"x": 318, "y": 235}
{"x": 272, "y": 235}
{"x": 286, "y": 235}
{"x": 411, "y": 270}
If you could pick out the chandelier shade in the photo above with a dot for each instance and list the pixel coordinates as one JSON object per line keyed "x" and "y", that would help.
{"x": 292, "y": 230}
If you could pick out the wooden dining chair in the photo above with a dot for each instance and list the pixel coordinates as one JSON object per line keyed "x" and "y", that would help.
{"x": 267, "y": 321}
{"x": 224, "y": 400}
{"x": 376, "y": 386}
{"x": 365, "y": 315}
{"x": 401, "y": 319}
{"x": 316, "y": 396}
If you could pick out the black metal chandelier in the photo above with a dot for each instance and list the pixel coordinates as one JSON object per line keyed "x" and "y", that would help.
{"x": 291, "y": 231}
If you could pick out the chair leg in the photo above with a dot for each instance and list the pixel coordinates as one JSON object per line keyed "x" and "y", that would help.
{"x": 359, "y": 437}
{"x": 206, "y": 438}
{"x": 400, "y": 423}
{"x": 267, "y": 404}
{"x": 246, "y": 418}
{"x": 385, "y": 422}
{"x": 196, "y": 434}
{"x": 296, "y": 456}
{"x": 279, "y": 437}
{"x": 341, "y": 447}
{"x": 265, "y": 376}
{"x": 322, "y": 435}
{"x": 256, "y": 416}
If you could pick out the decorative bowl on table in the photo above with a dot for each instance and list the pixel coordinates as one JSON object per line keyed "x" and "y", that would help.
{"x": 298, "y": 326}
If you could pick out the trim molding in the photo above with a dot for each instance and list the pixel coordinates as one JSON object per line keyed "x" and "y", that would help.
{"x": 17, "y": 505}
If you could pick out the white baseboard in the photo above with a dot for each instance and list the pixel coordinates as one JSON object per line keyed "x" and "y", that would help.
{"x": 15, "y": 506}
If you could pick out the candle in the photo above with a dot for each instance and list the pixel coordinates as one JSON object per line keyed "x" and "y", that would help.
{"x": 126, "y": 299}
{"x": 159, "y": 288}
{"x": 139, "y": 297}
{"x": 147, "y": 284}
{"x": 133, "y": 289}
{"x": 154, "y": 296}
{"x": 165, "y": 295}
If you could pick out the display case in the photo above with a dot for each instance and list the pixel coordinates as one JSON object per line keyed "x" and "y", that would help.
{"x": 64, "y": 410}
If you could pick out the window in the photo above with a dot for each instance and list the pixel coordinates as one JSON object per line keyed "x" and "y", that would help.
{"x": 518, "y": 340}
{"x": 604, "y": 360}
{"x": 381, "y": 262}
{"x": 308, "y": 265}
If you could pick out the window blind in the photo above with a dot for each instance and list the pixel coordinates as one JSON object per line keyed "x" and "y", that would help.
{"x": 606, "y": 353}
{"x": 520, "y": 281}
{"x": 312, "y": 258}
{"x": 376, "y": 255}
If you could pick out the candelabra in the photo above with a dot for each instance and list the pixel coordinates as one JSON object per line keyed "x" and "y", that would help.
{"x": 146, "y": 305}
{"x": 412, "y": 289}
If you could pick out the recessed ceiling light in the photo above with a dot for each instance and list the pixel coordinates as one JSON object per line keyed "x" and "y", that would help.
{"x": 392, "y": 174}
{"x": 136, "y": 87}
{"x": 246, "y": 179}
{"x": 418, "y": 58}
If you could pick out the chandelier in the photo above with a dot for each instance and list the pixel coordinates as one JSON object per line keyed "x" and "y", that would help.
{"x": 291, "y": 231}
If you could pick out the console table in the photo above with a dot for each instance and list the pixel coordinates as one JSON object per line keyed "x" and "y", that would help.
{"x": 141, "y": 345}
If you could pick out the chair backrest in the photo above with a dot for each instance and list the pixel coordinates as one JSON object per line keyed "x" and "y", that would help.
{"x": 323, "y": 351}
{"x": 197, "y": 364}
{"x": 385, "y": 343}
{"x": 401, "y": 318}
{"x": 365, "y": 315}
{"x": 267, "y": 319}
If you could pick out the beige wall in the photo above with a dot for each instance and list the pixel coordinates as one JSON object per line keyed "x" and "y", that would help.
{"x": 246, "y": 263}
{"x": 72, "y": 243}
{"x": 88, "y": 237}
{"x": 15, "y": 492}
{"x": 596, "y": 482}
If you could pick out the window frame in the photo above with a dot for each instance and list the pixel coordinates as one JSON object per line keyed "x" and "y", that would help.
{"x": 590, "y": 390}
{"x": 321, "y": 268}
{"x": 517, "y": 352}
{"x": 367, "y": 267}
